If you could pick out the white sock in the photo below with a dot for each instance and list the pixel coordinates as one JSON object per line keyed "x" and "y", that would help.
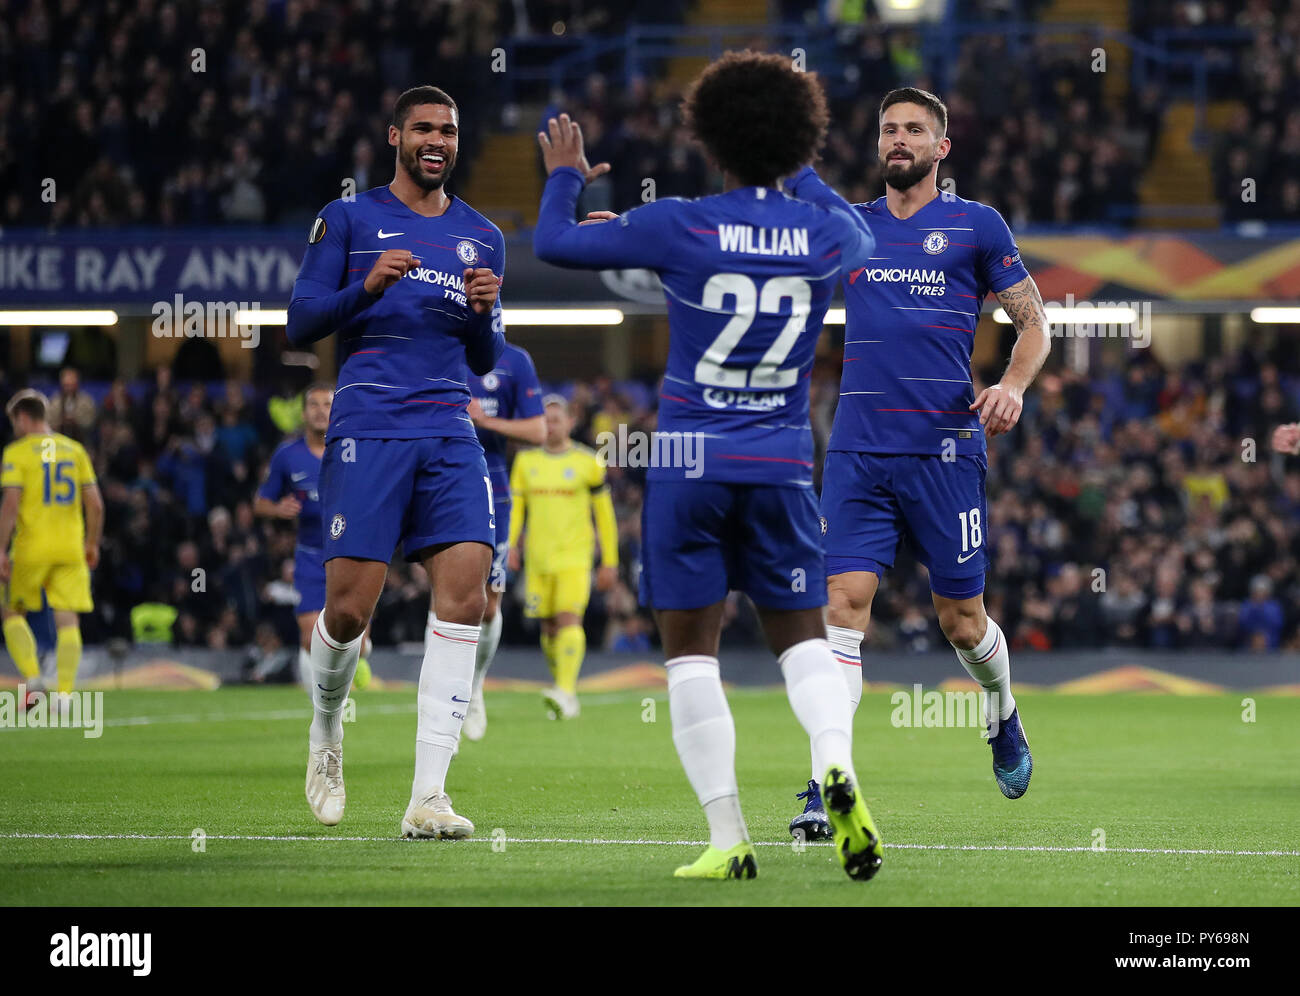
{"x": 304, "y": 669}
{"x": 705, "y": 737}
{"x": 331, "y": 667}
{"x": 446, "y": 680}
{"x": 846, "y": 645}
{"x": 488, "y": 640}
{"x": 990, "y": 665}
{"x": 815, "y": 686}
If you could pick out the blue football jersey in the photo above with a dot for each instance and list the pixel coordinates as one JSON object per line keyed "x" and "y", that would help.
{"x": 912, "y": 313}
{"x": 295, "y": 470}
{"x": 508, "y": 390}
{"x": 748, "y": 275}
{"x": 403, "y": 353}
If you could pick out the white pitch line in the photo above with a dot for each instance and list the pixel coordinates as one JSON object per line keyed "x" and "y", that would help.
{"x": 658, "y": 843}
{"x": 599, "y": 698}
{"x": 234, "y": 717}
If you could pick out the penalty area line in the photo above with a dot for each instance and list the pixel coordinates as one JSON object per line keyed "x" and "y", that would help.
{"x": 290, "y": 838}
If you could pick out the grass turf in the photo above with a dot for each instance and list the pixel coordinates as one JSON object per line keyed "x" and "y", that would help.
{"x": 1150, "y": 771}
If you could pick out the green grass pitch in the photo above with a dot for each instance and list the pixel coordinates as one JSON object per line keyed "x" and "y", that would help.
{"x": 597, "y": 811}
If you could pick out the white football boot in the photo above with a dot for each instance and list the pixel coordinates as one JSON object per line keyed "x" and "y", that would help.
{"x": 475, "y": 724}
{"x": 433, "y": 817}
{"x": 561, "y": 704}
{"x": 325, "y": 792}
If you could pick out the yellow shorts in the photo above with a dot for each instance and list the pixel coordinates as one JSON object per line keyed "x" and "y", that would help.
{"x": 67, "y": 586}
{"x": 547, "y": 594}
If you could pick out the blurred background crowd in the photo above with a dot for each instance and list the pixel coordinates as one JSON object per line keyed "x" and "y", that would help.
{"x": 1125, "y": 509}
{"x": 1138, "y": 506}
{"x": 177, "y": 112}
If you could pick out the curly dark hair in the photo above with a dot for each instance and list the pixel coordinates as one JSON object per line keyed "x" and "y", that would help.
{"x": 757, "y": 116}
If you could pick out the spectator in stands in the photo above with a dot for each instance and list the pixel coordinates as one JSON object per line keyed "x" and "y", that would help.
{"x": 72, "y": 410}
{"x": 1260, "y": 620}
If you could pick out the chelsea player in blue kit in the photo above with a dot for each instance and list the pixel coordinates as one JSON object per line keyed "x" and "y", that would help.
{"x": 292, "y": 491}
{"x": 409, "y": 278}
{"x": 748, "y": 275}
{"x": 906, "y": 456}
{"x": 506, "y": 404}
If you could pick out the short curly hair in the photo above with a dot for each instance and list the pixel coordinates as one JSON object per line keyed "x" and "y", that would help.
{"x": 757, "y": 116}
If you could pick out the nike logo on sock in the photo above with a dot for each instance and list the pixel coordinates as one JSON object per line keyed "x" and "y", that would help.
{"x": 455, "y": 699}
{"x": 324, "y": 689}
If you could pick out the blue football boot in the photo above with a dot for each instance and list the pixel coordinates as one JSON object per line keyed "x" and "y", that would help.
{"x": 812, "y": 823}
{"x": 1012, "y": 762}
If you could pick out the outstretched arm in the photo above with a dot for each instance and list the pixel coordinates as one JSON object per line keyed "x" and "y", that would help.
{"x": 808, "y": 186}
{"x": 620, "y": 242}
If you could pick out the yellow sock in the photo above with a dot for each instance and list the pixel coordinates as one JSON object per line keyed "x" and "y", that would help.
{"x": 570, "y": 647}
{"x": 67, "y": 652}
{"x": 21, "y": 642}
{"x": 548, "y": 649}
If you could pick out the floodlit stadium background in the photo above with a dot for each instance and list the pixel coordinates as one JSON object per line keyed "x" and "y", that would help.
{"x": 1145, "y": 154}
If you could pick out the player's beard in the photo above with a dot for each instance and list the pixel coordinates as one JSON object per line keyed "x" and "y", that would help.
{"x": 410, "y": 160}
{"x": 904, "y": 176}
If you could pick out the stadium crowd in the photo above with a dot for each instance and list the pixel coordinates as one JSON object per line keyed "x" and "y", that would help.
{"x": 1032, "y": 135}
{"x": 188, "y": 113}
{"x": 1126, "y": 509}
{"x": 255, "y": 113}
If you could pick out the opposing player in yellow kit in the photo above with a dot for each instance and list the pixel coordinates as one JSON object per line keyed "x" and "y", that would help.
{"x": 556, "y": 489}
{"x": 47, "y": 484}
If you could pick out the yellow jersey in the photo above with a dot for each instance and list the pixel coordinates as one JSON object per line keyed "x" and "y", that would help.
{"x": 51, "y": 470}
{"x": 556, "y": 493}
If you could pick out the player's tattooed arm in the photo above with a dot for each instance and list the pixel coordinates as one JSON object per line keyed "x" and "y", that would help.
{"x": 999, "y": 405}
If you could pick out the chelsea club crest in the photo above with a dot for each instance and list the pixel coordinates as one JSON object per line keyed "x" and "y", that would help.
{"x": 337, "y": 525}
{"x": 466, "y": 252}
{"x": 935, "y": 243}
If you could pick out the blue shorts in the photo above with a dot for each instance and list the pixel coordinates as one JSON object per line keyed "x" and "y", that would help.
{"x": 871, "y": 501}
{"x": 309, "y": 579}
{"x": 701, "y": 539}
{"x": 419, "y": 492}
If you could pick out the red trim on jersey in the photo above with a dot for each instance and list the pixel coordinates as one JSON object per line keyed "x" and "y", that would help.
{"x": 853, "y": 275}
{"x": 950, "y": 328}
{"x": 673, "y": 397}
{"x": 830, "y": 254}
{"x": 703, "y": 231}
{"x": 417, "y": 401}
{"x": 434, "y": 244}
{"x": 360, "y": 351}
